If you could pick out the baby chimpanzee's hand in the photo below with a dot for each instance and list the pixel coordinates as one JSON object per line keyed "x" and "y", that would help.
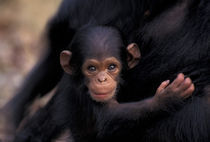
{"x": 180, "y": 88}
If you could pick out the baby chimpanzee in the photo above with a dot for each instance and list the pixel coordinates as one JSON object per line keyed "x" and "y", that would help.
{"x": 86, "y": 101}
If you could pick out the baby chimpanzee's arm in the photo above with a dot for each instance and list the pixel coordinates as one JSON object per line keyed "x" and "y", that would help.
{"x": 168, "y": 98}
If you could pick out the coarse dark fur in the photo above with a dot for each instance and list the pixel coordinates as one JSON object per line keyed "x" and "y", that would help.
{"x": 125, "y": 15}
{"x": 89, "y": 120}
{"x": 173, "y": 38}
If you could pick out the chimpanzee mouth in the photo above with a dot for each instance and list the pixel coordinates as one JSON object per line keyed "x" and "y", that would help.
{"x": 102, "y": 95}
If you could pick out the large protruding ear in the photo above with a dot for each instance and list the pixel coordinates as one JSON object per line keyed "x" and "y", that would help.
{"x": 65, "y": 57}
{"x": 134, "y": 55}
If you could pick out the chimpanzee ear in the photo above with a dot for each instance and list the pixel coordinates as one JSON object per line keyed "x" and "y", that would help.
{"x": 65, "y": 57}
{"x": 134, "y": 55}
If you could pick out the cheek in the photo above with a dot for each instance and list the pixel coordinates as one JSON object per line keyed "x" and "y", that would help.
{"x": 115, "y": 75}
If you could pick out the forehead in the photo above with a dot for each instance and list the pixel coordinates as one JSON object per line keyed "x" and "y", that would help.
{"x": 101, "y": 52}
{"x": 100, "y": 44}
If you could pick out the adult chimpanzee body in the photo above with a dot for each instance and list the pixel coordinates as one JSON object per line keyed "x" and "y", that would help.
{"x": 72, "y": 14}
{"x": 173, "y": 37}
{"x": 86, "y": 103}
{"x": 177, "y": 40}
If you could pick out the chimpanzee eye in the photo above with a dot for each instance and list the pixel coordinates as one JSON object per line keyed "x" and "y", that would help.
{"x": 91, "y": 68}
{"x": 112, "y": 67}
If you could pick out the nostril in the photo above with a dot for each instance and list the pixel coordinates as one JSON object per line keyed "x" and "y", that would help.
{"x": 99, "y": 80}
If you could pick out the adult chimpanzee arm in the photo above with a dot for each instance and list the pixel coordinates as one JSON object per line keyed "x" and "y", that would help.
{"x": 46, "y": 73}
{"x": 37, "y": 82}
{"x": 40, "y": 127}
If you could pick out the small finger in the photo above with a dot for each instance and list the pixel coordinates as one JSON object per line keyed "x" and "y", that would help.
{"x": 162, "y": 86}
{"x": 188, "y": 92}
{"x": 179, "y": 79}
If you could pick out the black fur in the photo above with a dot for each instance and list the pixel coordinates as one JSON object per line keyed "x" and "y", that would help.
{"x": 174, "y": 38}
{"x": 73, "y": 108}
{"x": 125, "y": 15}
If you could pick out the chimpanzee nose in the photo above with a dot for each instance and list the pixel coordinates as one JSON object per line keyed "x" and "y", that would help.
{"x": 102, "y": 79}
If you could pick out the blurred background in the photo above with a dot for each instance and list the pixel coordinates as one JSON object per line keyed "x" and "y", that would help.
{"x": 22, "y": 26}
